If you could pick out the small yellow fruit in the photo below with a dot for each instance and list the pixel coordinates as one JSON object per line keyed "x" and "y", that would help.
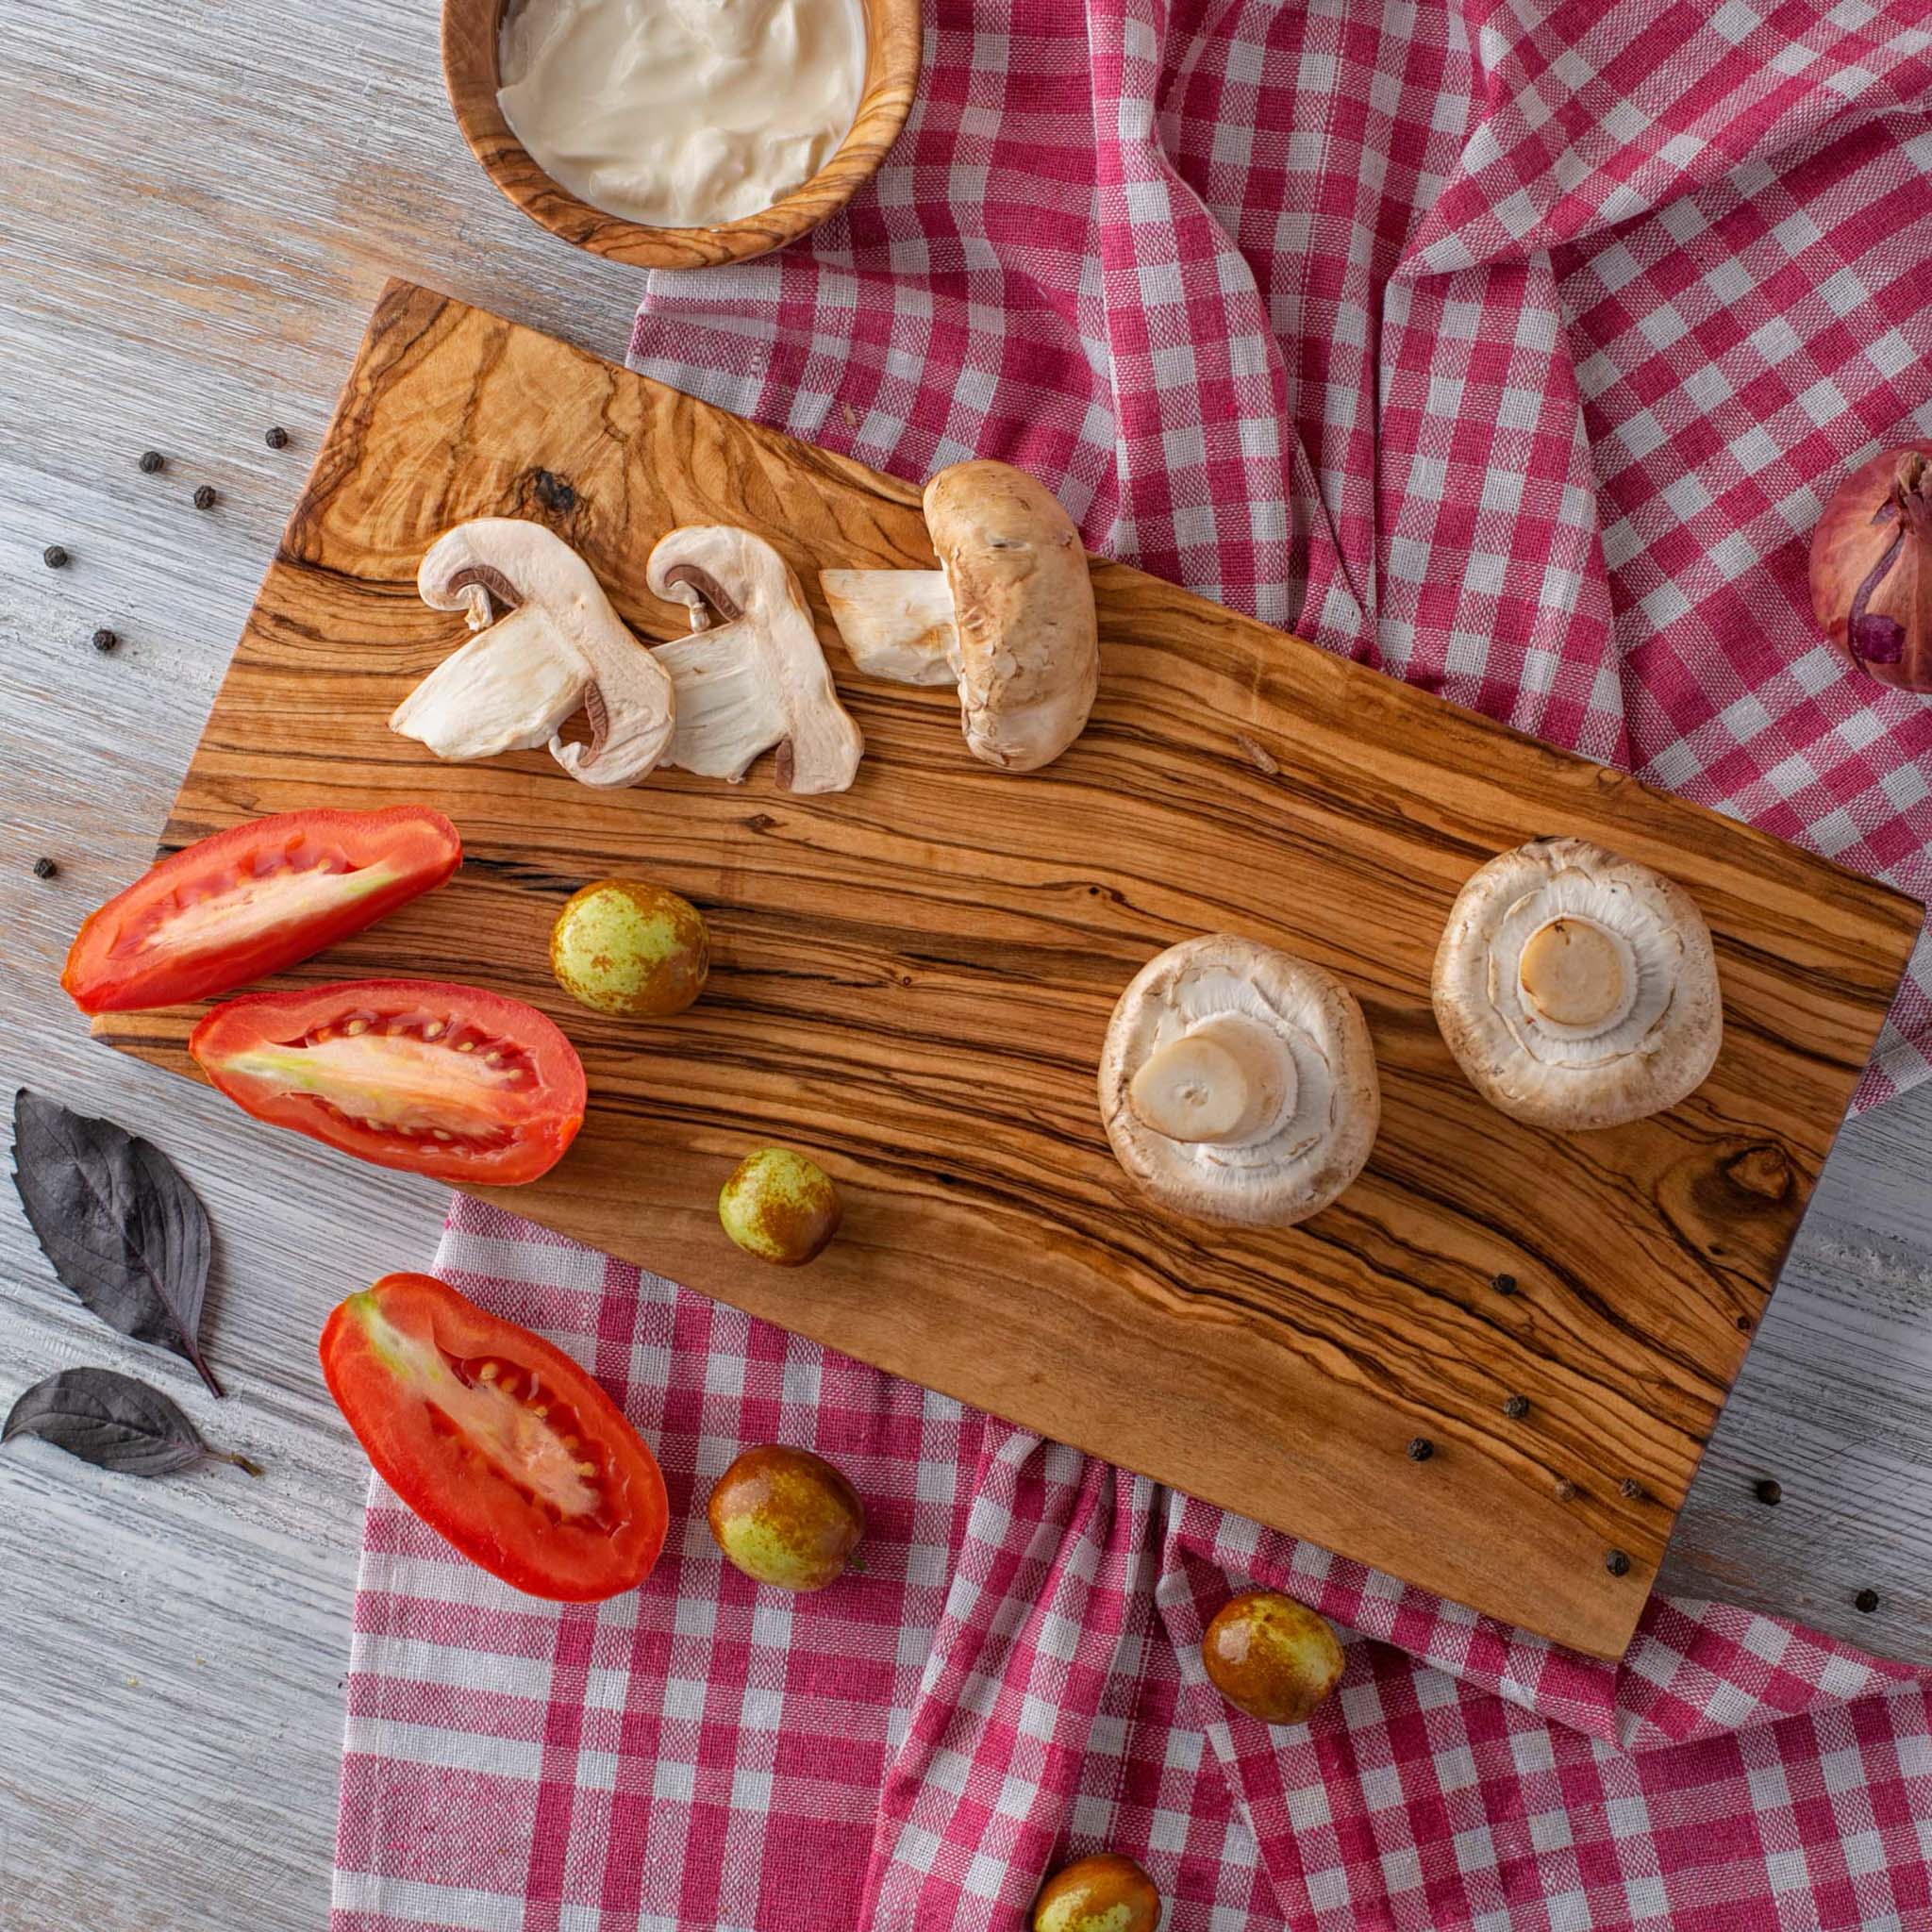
{"x": 627, "y": 947}
{"x": 780, "y": 1206}
{"x": 1106, "y": 1893}
{"x": 1271, "y": 1658}
{"x": 786, "y": 1517}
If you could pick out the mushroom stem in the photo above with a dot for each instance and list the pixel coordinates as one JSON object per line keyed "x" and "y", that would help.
{"x": 1576, "y": 972}
{"x": 1227, "y": 1081}
{"x": 896, "y": 624}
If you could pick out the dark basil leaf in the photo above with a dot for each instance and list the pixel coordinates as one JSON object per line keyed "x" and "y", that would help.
{"x": 121, "y": 1227}
{"x": 113, "y": 1421}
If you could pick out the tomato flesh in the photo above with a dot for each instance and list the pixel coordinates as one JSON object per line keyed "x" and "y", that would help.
{"x": 496, "y": 1439}
{"x": 253, "y": 899}
{"x": 421, "y": 1074}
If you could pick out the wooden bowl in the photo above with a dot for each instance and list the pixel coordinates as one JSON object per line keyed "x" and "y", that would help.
{"x": 472, "y": 33}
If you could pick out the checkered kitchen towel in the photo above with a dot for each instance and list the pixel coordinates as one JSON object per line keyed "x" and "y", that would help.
{"x": 1015, "y": 1679}
{"x": 1511, "y": 347}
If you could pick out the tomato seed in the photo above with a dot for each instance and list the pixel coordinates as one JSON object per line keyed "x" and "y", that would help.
{"x": 355, "y": 1026}
{"x": 441, "y": 1136}
{"x": 488, "y": 1372}
{"x": 586, "y": 1469}
{"x": 432, "y": 1029}
{"x": 539, "y": 1410}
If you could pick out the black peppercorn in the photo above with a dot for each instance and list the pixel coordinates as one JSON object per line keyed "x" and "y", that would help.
{"x": 54, "y": 556}
{"x": 44, "y": 868}
{"x": 277, "y": 437}
{"x": 1865, "y": 1600}
{"x": 1616, "y": 1562}
{"x": 205, "y": 497}
{"x": 105, "y": 639}
{"x": 1421, "y": 1449}
{"x": 1631, "y": 1488}
{"x": 1516, "y": 1407}
{"x": 1566, "y": 1489}
{"x": 1743, "y": 1325}
{"x": 151, "y": 460}
{"x": 1502, "y": 1284}
{"x": 1768, "y": 1491}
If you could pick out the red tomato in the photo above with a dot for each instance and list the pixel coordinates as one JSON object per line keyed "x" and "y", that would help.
{"x": 252, "y": 900}
{"x": 496, "y": 1439}
{"x": 417, "y": 1073}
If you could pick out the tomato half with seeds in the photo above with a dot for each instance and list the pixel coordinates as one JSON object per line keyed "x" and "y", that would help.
{"x": 252, "y": 900}
{"x": 496, "y": 1439}
{"x": 423, "y": 1075}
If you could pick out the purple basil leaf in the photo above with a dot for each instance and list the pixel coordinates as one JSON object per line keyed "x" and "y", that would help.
{"x": 119, "y": 1222}
{"x": 113, "y": 1421}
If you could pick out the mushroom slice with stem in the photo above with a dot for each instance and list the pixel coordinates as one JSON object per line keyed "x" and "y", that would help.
{"x": 1578, "y": 989}
{"x": 1009, "y": 616}
{"x": 756, "y": 679}
{"x": 547, "y": 645}
{"x": 1238, "y": 1083}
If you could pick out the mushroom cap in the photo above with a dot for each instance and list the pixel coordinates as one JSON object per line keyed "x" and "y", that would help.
{"x": 1298, "y": 1167}
{"x": 1650, "y": 1047}
{"x": 1023, "y": 606}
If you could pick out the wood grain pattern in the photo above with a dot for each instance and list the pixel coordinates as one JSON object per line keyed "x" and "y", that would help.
{"x": 912, "y": 979}
{"x": 472, "y": 35}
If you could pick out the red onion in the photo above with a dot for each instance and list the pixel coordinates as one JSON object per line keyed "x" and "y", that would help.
{"x": 1872, "y": 568}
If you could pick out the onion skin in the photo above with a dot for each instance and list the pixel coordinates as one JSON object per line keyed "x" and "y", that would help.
{"x": 1872, "y": 568}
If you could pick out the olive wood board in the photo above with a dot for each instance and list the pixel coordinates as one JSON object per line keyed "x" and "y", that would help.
{"x": 911, "y": 980}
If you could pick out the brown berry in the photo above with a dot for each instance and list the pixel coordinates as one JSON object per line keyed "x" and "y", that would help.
{"x": 1270, "y": 1657}
{"x": 786, "y": 1517}
{"x": 1107, "y": 1892}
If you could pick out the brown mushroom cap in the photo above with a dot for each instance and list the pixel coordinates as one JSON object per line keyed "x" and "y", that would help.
{"x": 1578, "y": 989}
{"x": 1022, "y": 606}
{"x": 1308, "y": 1102}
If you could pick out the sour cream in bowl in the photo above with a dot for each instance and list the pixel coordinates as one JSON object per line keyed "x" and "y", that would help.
{"x": 679, "y": 133}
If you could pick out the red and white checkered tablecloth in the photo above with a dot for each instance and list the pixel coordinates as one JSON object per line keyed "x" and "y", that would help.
{"x": 1015, "y": 1679}
{"x": 1512, "y": 347}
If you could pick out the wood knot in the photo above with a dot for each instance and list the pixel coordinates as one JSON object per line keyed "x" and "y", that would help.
{"x": 1762, "y": 1171}
{"x": 556, "y": 493}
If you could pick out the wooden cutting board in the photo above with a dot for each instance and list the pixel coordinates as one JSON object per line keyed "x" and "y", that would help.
{"x": 912, "y": 979}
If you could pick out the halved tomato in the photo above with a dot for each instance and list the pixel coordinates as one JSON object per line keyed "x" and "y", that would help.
{"x": 252, "y": 900}
{"x": 417, "y": 1074}
{"x": 496, "y": 1439}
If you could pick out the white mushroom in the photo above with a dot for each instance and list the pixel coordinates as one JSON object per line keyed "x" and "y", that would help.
{"x": 547, "y": 645}
{"x": 1009, "y": 616}
{"x": 757, "y": 678}
{"x": 1578, "y": 989}
{"x": 1238, "y": 1083}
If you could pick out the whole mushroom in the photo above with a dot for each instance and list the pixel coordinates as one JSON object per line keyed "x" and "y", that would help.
{"x": 1578, "y": 989}
{"x": 547, "y": 645}
{"x": 1008, "y": 616}
{"x": 1237, "y": 1082}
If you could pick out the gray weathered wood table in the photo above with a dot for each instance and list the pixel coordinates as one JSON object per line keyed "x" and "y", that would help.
{"x": 200, "y": 205}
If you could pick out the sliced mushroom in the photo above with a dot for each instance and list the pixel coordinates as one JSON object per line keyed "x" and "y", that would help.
{"x": 756, "y": 679}
{"x": 1010, "y": 616}
{"x": 1578, "y": 989}
{"x": 1238, "y": 1083}
{"x": 547, "y": 645}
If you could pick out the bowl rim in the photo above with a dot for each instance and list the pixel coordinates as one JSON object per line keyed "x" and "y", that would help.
{"x": 471, "y": 77}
